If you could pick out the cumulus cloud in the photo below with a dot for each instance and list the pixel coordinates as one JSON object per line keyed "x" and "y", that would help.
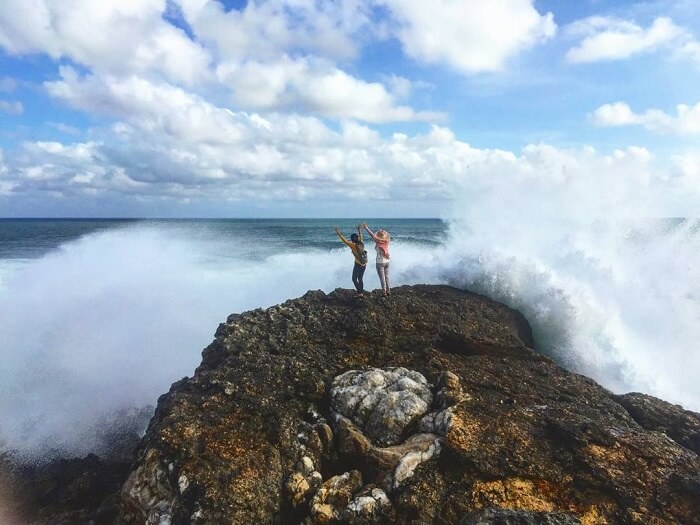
{"x": 273, "y": 55}
{"x": 13, "y": 108}
{"x": 111, "y": 36}
{"x": 151, "y": 106}
{"x": 470, "y": 36}
{"x": 186, "y": 148}
{"x": 690, "y": 50}
{"x": 264, "y": 30}
{"x": 279, "y": 55}
{"x": 176, "y": 145}
{"x": 270, "y": 55}
{"x": 607, "y": 38}
{"x": 317, "y": 88}
{"x": 686, "y": 121}
{"x": 246, "y": 135}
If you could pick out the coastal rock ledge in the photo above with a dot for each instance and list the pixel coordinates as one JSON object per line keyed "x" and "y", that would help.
{"x": 429, "y": 406}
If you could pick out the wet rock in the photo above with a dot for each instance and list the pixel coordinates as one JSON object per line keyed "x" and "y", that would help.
{"x": 683, "y": 426}
{"x": 495, "y": 432}
{"x": 61, "y": 491}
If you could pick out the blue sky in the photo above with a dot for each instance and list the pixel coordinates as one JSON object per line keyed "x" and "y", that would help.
{"x": 346, "y": 108}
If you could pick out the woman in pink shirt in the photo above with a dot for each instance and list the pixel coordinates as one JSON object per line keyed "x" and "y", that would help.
{"x": 381, "y": 239}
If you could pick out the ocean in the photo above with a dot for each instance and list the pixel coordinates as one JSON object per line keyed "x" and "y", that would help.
{"x": 101, "y": 316}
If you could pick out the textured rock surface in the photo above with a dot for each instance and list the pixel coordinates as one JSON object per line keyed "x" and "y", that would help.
{"x": 383, "y": 403}
{"x": 506, "y": 437}
{"x": 514, "y": 517}
{"x": 683, "y": 426}
{"x": 73, "y": 491}
{"x": 76, "y": 490}
{"x": 498, "y": 433}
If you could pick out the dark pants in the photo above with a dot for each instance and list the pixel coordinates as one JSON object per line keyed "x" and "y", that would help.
{"x": 357, "y": 272}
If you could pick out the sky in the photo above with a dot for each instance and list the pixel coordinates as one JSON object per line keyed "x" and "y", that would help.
{"x": 332, "y": 108}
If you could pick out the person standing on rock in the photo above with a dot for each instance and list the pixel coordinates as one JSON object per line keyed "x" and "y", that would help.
{"x": 358, "y": 250}
{"x": 381, "y": 240}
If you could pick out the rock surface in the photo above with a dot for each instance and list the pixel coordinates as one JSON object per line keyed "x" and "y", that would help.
{"x": 384, "y": 403}
{"x": 427, "y": 407}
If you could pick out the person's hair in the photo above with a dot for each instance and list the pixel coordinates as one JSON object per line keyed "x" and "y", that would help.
{"x": 354, "y": 237}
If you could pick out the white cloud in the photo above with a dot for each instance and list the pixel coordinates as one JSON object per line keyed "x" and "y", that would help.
{"x": 112, "y": 36}
{"x": 687, "y": 168}
{"x": 690, "y": 50}
{"x": 613, "y": 39}
{"x": 686, "y": 121}
{"x": 13, "y": 108}
{"x": 173, "y": 142}
{"x": 469, "y": 36}
{"x": 184, "y": 148}
{"x": 278, "y": 55}
{"x": 272, "y": 55}
{"x": 337, "y": 94}
{"x": 263, "y": 30}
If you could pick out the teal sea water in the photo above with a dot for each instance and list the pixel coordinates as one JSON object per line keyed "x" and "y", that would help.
{"x": 101, "y": 316}
{"x": 34, "y": 238}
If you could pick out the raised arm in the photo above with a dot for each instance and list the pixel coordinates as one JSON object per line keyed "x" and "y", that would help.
{"x": 371, "y": 233}
{"x": 359, "y": 232}
{"x": 343, "y": 238}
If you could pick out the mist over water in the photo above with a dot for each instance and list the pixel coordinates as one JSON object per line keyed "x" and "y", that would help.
{"x": 108, "y": 321}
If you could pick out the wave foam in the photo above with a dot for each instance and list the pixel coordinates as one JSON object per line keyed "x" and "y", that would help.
{"x": 107, "y": 323}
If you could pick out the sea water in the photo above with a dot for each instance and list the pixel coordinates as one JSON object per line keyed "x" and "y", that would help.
{"x": 101, "y": 316}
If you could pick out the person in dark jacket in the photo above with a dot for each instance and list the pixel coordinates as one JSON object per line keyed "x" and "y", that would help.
{"x": 358, "y": 251}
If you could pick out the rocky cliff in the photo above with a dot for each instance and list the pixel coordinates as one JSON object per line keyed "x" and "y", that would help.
{"x": 429, "y": 406}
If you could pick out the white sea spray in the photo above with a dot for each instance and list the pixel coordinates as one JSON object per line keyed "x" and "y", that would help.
{"x": 108, "y": 322}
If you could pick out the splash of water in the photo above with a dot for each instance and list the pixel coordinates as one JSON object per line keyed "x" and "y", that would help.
{"x": 577, "y": 242}
{"x": 616, "y": 302}
{"x": 110, "y": 321}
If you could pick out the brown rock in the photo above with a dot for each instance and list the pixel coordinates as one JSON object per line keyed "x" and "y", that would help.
{"x": 525, "y": 441}
{"x": 250, "y": 438}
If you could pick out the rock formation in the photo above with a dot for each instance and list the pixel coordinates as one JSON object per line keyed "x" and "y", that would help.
{"x": 429, "y": 406}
